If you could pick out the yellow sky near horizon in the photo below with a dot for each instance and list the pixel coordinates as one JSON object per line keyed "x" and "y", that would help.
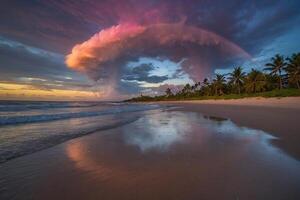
{"x": 12, "y": 91}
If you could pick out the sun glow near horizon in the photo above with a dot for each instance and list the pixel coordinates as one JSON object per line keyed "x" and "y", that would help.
{"x": 12, "y": 91}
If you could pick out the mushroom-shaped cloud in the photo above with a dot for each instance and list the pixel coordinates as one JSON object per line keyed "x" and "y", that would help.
{"x": 105, "y": 54}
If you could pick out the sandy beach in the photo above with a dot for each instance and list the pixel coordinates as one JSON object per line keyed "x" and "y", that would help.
{"x": 286, "y": 102}
{"x": 278, "y": 116}
{"x": 195, "y": 150}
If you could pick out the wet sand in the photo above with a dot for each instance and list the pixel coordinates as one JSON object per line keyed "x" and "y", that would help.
{"x": 176, "y": 154}
{"x": 278, "y": 116}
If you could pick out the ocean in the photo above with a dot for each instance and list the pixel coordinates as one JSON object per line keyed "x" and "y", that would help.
{"x": 27, "y": 127}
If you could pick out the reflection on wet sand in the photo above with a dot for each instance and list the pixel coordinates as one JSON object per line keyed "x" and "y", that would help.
{"x": 177, "y": 155}
{"x": 158, "y": 131}
{"x": 214, "y": 118}
{"x": 77, "y": 153}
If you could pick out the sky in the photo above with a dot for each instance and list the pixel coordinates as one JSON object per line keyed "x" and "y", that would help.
{"x": 117, "y": 49}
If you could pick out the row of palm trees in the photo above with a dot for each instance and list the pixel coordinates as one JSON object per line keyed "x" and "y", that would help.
{"x": 279, "y": 73}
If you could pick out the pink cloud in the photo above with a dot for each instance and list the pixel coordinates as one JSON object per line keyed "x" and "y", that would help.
{"x": 114, "y": 46}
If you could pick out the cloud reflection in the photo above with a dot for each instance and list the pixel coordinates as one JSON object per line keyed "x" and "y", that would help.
{"x": 151, "y": 146}
{"x": 158, "y": 131}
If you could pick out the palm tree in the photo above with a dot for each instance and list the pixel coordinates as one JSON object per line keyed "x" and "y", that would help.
{"x": 293, "y": 69}
{"x": 276, "y": 67}
{"x": 195, "y": 86}
{"x": 237, "y": 78}
{"x": 169, "y": 92}
{"x": 205, "y": 89}
{"x": 219, "y": 83}
{"x": 186, "y": 89}
{"x": 205, "y": 81}
{"x": 255, "y": 81}
{"x": 271, "y": 81}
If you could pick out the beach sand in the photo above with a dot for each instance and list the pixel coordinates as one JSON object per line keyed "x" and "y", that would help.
{"x": 278, "y": 116}
{"x": 192, "y": 151}
{"x": 286, "y": 102}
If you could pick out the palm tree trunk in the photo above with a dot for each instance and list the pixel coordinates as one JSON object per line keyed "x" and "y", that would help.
{"x": 239, "y": 89}
{"x": 298, "y": 85}
{"x": 280, "y": 81}
{"x": 221, "y": 92}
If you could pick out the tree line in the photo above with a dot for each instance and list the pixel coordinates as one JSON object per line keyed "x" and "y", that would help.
{"x": 280, "y": 73}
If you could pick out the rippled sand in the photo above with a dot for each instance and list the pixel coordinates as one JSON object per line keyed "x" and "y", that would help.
{"x": 162, "y": 155}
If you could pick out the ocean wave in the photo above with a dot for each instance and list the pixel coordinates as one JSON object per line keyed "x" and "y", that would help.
{"x": 24, "y": 106}
{"x": 22, "y": 119}
{"x": 34, "y": 143}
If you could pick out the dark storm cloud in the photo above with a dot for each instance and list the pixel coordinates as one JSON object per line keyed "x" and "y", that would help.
{"x": 60, "y": 19}
{"x": 57, "y": 25}
{"x": 127, "y": 87}
{"x": 42, "y": 69}
{"x": 142, "y": 73}
{"x": 19, "y": 60}
{"x": 251, "y": 24}
{"x": 37, "y": 23}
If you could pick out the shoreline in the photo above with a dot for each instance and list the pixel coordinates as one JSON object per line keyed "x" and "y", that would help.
{"x": 273, "y": 115}
{"x": 279, "y": 102}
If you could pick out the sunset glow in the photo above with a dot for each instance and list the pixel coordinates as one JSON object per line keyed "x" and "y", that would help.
{"x": 10, "y": 91}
